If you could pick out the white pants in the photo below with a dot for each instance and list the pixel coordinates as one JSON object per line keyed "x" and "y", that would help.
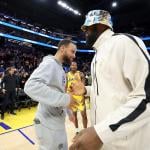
{"x": 50, "y": 139}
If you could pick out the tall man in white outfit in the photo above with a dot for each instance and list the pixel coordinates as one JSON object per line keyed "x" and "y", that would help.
{"x": 120, "y": 91}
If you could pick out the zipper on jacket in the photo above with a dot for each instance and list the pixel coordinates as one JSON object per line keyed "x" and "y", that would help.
{"x": 93, "y": 72}
{"x": 96, "y": 75}
{"x": 96, "y": 82}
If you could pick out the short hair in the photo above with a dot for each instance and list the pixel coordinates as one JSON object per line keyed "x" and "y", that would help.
{"x": 64, "y": 42}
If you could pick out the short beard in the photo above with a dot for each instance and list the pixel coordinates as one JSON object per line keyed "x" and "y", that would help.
{"x": 91, "y": 39}
{"x": 67, "y": 61}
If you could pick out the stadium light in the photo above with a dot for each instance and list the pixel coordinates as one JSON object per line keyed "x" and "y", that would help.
{"x": 114, "y": 4}
{"x": 66, "y": 6}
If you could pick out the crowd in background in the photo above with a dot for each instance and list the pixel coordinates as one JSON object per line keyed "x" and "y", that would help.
{"x": 23, "y": 60}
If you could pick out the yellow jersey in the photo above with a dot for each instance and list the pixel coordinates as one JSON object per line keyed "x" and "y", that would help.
{"x": 72, "y": 78}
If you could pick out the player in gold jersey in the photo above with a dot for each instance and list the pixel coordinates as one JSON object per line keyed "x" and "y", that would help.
{"x": 72, "y": 77}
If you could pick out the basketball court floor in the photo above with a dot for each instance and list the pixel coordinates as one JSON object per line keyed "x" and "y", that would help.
{"x": 17, "y": 132}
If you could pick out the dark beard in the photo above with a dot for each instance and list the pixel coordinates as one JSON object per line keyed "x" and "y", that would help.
{"x": 67, "y": 61}
{"x": 91, "y": 39}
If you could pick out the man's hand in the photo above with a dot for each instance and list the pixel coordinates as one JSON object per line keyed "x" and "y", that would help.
{"x": 78, "y": 88}
{"x": 87, "y": 139}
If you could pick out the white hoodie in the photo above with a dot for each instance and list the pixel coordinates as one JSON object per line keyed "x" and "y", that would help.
{"x": 120, "y": 93}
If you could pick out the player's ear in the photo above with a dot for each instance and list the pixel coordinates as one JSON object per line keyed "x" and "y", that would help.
{"x": 62, "y": 48}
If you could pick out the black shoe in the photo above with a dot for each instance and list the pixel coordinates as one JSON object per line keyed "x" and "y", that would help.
{"x": 13, "y": 113}
{"x": 77, "y": 133}
{"x": 2, "y": 116}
